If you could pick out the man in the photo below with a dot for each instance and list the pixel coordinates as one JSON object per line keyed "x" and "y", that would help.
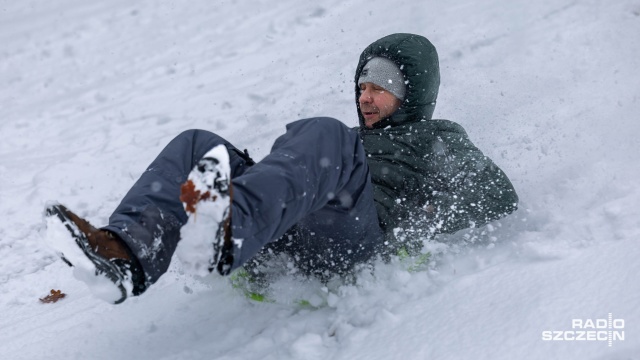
{"x": 329, "y": 196}
{"x": 444, "y": 183}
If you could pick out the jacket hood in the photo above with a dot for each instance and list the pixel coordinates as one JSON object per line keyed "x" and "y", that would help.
{"x": 418, "y": 61}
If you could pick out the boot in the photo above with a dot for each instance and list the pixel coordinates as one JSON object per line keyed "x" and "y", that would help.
{"x": 101, "y": 259}
{"x": 205, "y": 242}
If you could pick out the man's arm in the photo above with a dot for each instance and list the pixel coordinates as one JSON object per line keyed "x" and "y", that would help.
{"x": 472, "y": 189}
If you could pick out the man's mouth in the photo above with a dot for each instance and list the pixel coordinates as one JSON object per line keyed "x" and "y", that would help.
{"x": 369, "y": 113}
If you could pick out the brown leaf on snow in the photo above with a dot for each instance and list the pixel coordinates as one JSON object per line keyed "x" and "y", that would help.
{"x": 53, "y": 297}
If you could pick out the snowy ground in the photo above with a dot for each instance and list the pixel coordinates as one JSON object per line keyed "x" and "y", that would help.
{"x": 91, "y": 91}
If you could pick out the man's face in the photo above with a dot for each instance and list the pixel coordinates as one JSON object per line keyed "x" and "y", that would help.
{"x": 376, "y": 103}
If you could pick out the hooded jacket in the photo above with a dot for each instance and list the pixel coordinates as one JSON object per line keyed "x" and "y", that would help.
{"x": 427, "y": 175}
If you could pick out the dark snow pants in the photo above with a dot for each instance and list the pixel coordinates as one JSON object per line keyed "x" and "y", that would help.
{"x": 315, "y": 184}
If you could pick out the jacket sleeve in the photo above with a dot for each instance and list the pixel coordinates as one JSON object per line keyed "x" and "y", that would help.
{"x": 470, "y": 189}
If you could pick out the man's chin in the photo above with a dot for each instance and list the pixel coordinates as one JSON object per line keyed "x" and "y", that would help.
{"x": 369, "y": 120}
{"x": 369, "y": 123}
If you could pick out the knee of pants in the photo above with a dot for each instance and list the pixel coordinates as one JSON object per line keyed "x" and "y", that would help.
{"x": 321, "y": 124}
{"x": 196, "y": 133}
{"x": 200, "y": 141}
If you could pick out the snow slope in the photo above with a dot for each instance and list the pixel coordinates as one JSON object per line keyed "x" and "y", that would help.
{"x": 91, "y": 91}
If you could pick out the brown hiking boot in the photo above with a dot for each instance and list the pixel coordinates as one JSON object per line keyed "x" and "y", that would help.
{"x": 102, "y": 242}
{"x": 96, "y": 254}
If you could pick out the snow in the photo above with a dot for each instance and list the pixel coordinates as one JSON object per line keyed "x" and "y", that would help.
{"x": 92, "y": 91}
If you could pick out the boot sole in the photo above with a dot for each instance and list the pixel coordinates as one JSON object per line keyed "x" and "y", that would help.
{"x": 201, "y": 241}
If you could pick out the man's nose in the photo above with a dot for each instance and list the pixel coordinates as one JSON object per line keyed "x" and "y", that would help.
{"x": 365, "y": 96}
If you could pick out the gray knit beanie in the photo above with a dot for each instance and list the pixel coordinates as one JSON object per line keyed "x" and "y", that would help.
{"x": 384, "y": 73}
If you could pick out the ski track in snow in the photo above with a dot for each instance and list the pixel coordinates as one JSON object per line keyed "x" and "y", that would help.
{"x": 91, "y": 91}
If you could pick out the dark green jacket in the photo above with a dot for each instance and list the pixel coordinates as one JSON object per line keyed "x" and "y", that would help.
{"x": 427, "y": 175}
